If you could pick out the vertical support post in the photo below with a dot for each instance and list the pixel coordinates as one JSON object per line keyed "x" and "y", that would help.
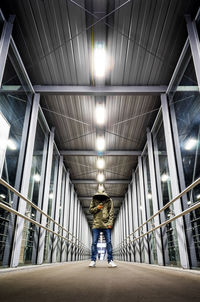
{"x": 126, "y": 222}
{"x": 4, "y": 44}
{"x": 55, "y": 238}
{"x": 183, "y": 251}
{"x": 65, "y": 218}
{"x": 195, "y": 45}
{"x": 143, "y": 204}
{"x": 130, "y": 211}
{"x": 17, "y": 241}
{"x": 154, "y": 198}
{"x": 45, "y": 198}
{"x": 135, "y": 219}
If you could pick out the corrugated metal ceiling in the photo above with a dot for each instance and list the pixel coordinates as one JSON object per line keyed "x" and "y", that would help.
{"x": 144, "y": 40}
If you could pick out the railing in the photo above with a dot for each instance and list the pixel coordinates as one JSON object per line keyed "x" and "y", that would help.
{"x": 74, "y": 239}
{"x": 193, "y": 207}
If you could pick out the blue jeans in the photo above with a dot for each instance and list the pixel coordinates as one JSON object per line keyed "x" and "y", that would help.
{"x": 95, "y": 238}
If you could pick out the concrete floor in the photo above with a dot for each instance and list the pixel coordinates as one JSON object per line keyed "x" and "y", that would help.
{"x": 74, "y": 281}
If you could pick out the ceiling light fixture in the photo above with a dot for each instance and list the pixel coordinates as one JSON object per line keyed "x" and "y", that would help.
{"x": 190, "y": 143}
{"x": 100, "y": 143}
{"x": 99, "y": 60}
{"x": 149, "y": 195}
{"x": 11, "y": 144}
{"x": 51, "y": 196}
{"x": 100, "y": 114}
{"x": 101, "y": 188}
{"x": 100, "y": 177}
{"x": 164, "y": 177}
{"x": 36, "y": 177}
{"x": 100, "y": 163}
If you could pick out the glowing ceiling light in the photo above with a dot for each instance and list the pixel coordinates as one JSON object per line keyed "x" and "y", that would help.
{"x": 141, "y": 208}
{"x": 164, "y": 177}
{"x": 189, "y": 202}
{"x": 11, "y": 144}
{"x": 100, "y": 114}
{"x": 100, "y": 177}
{"x": 190, "y": 144}
{"x": 149, "y": 195}
{"x": 101, "y": 188}
{"x": 100, "y": 163}
{"x": 198, "y": 196}
{"x": 51, "y": 196}
{"x": 2, "y": 196}
{"x": 36, "y": 177}
{"x": 99, "y": 60}
{"x": 100, "y": 143}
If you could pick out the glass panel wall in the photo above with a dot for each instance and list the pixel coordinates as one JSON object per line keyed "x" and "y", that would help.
{"x": 14, "y": 118}
{"x": 149, "y": 207}
{"x": 35, "y": 193}
{"x": 51, "y": 205}
{"x": 61, "y": 206}
{"x": 141, "y": 241}
{"x": 169, "y": 234}
{"x": 184, "y": 99}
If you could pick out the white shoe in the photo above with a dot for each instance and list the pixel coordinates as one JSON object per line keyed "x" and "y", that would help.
{"x": 112, "y": 264}
{"x": 92, "y": 264}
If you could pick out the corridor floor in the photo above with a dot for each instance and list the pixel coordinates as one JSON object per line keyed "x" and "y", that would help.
{"x": 75, "y": 282}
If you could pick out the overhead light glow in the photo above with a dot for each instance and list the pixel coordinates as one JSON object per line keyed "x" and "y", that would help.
{"x": 11, "y": 144}
{"x": 100, "y": 143}
{"x": 189, "y": 202}
{"x": 140, "y": 208}
{"x": 100, "y": 177}
{"x": 149, "y": 195}
{"x": 101, "y": 188}
{"x": 2, "y": 196}
{"x": 51, "y": 196}
{"x": 198, "y": 196}
{"x": 100, "y": 114}
{"x": 36, "y": 177}
{"x": 99, "y": 60}
{"x": 190, "y": 144}
{"x": 100, "y": 163}
{"x": 164, "y": 177}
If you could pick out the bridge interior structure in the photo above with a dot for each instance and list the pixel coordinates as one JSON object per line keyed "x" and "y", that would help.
{"x": 99, "y": 95}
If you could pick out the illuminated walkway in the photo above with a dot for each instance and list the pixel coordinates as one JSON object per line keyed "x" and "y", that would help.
{"x": 76, "y": 282}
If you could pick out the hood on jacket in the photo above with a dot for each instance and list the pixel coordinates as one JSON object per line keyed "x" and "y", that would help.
{"x": 101, "y": 196}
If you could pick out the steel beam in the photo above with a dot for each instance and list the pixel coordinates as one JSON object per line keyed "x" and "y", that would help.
{"x": 93, "y": 181}
{"x": 95, "y": 153}
{"x": 5, "y": 43}
{"x": 99, "y": 90}
{"x": 195, "y": 45}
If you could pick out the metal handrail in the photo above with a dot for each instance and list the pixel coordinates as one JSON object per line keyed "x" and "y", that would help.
{"x": 2, "y": 205}
{"x": 196, "y": 205}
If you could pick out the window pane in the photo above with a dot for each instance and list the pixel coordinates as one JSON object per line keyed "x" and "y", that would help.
{"x": 164, "y": 194}
{"x": 185, "y": 114}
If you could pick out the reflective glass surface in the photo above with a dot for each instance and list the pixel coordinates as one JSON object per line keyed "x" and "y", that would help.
{"x": 35, "y": 194}
{"x": 149, "y": 207}
{"x": 185, "y": 115}
{"x": 169, "y": 233}
{"x": 14, "y": 118}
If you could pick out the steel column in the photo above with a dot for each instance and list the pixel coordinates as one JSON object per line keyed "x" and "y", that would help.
{"x": 17, "y": 241}
{"x": 45, "y": 198}
{"x": 57, "y": 205}
{"x": 4, "y": 44}
{"x": 154, "y": 198}
{"x": 136, "y": 219}
{"x": 143, "y": 210}
{"x": 65, "y": 218}
{"x": 195, "y": 45}
{"x": 174, "y": 182}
